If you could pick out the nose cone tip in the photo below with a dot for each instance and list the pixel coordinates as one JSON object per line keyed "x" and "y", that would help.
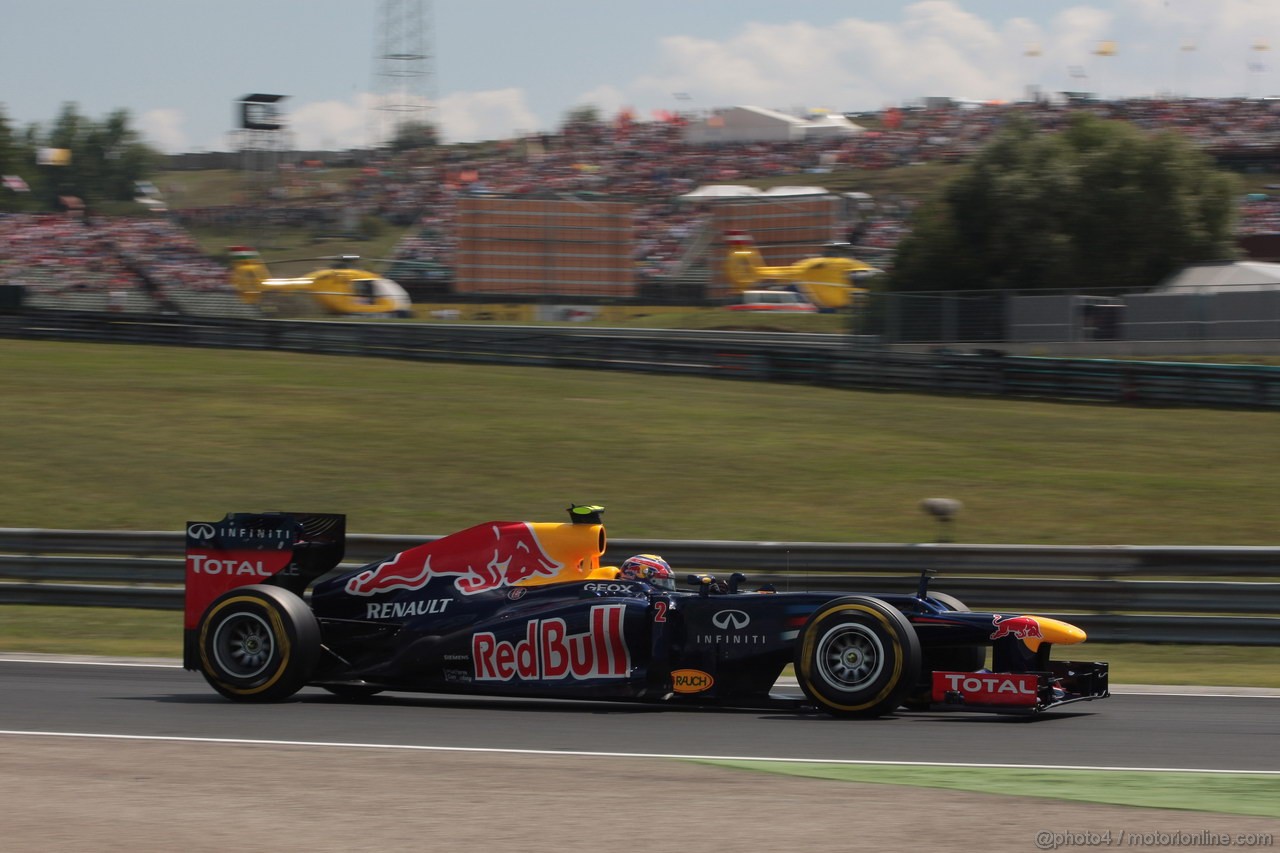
{"x": 1057, "y": 632}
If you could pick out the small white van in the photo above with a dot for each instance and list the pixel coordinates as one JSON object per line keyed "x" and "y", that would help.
{"x": 773, "y": 300}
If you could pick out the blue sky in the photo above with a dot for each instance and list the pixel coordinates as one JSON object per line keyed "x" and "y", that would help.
{"x": 503, "y": 67}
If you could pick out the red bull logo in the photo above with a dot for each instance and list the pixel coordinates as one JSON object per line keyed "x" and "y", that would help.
{"x": 1022, "y": 627}
{"x": 549, "y": 652}
{"x": 480, "y": 558}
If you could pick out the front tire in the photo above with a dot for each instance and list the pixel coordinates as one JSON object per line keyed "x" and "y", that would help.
{"x": 954, "y": 658}
{"x": 857, "y": 657}
{"x": 258, "y": 644}
{"x": 950, "y": 601}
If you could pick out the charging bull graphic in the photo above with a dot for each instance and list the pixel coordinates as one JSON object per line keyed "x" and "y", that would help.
{"x": 1022, "y": 627}
{"x": 484, "y": 557}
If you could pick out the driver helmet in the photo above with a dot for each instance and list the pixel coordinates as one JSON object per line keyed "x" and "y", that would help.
{"x": 649, "y": 568}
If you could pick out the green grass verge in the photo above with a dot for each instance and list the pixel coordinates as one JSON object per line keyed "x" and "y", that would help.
{"x": 1229, "y": 793}
{"x": 104, "y": 436}
{"x": 1145, "y": 663}
{"x": 124, "y": 632}
{"x": 106, "y": 631}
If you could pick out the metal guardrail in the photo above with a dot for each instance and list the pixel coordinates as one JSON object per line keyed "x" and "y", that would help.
{"x": 840, "y": 361}
{"x": 1168, "y": 594}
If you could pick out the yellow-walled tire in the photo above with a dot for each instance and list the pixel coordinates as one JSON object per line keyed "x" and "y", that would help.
{"x": 258, "y": 644}
{"x": 857, "y": 657}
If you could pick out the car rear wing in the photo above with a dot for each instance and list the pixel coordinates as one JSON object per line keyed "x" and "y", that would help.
{"x": 285, "y": 549}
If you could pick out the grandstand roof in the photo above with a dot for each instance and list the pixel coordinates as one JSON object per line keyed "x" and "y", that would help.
{"x": 757, "y": 124}
{"x": 1223, "y": 275}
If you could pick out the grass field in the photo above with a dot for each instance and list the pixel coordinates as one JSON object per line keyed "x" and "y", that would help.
{"x": 146, "y": 438}
{"x": 224, "y": 187}
{"x": 128, "y": 437}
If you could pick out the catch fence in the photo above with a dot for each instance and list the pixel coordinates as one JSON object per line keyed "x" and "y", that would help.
{"x": 832, "y": 360}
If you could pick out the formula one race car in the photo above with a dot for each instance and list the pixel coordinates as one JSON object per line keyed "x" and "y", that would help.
{"x": 526, "y": 609}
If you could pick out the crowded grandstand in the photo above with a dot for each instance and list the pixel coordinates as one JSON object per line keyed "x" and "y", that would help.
{"x": 153, "y": 261}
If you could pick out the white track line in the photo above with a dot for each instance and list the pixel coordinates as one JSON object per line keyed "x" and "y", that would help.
{"x": 74, "y": 661}
{"x": 585, "y": 754}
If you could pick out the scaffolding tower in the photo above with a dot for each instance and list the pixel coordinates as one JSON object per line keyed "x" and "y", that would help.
{"x": 404, "y": 69}
{"x": 262, "y": 139}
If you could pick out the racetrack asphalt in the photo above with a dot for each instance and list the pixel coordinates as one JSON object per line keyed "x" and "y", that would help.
{"x": 1138, "y": 727}
{"x": 129, "y": 755}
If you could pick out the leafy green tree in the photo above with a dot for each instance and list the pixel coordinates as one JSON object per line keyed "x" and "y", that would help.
{"x": 107, "y": 157}
{"x": 582, "y": 124}
{"x": 1100, "y": 204}
{"x": 116, "y": 156}
{"x": 8, "y": 145}
{"x": 16, "y": 158}
{"x": 414, "y": 135}
{"x": 582, "y": 116}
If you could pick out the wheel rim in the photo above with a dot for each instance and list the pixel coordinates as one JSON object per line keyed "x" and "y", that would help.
{"x": 850, "y": 657}
{"x": 243, "y": 645}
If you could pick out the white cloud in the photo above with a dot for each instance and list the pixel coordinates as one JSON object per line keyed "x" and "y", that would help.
{"x": 331, "y": 125}
{"x": 367, "y": 120}
{"x": 360, "y": 122}
{"x": 926, "y": 48}
{"x": 937, "y": 47}
{"x": 162, "y": 130}
{"x": 479, "y": 116}
{"x": 607, "y": 99}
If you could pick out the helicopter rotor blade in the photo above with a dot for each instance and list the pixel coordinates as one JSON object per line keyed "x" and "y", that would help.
{"x": 314, "y": 259}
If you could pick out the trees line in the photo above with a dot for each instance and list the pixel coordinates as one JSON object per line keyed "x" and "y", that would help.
{"x": 107, "y": 159}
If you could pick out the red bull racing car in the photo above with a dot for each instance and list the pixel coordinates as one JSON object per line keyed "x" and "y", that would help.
{"x": 526, "y": 609}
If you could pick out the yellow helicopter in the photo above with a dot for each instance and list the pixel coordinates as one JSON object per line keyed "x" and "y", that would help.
{"x": 831, "y": 282}
{"x": 341, "y": 289}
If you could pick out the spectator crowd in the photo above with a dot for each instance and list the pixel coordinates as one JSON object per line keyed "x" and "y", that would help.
{"x": 646, "y": 163}
{"x": 59, "y": 255}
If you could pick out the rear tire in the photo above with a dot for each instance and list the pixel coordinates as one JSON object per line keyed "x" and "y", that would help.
{"x": 258, "y": 644}
{"x": 857, "y": 657}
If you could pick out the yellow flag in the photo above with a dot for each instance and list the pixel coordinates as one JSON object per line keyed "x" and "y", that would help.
{"x": 53, "y": 156}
